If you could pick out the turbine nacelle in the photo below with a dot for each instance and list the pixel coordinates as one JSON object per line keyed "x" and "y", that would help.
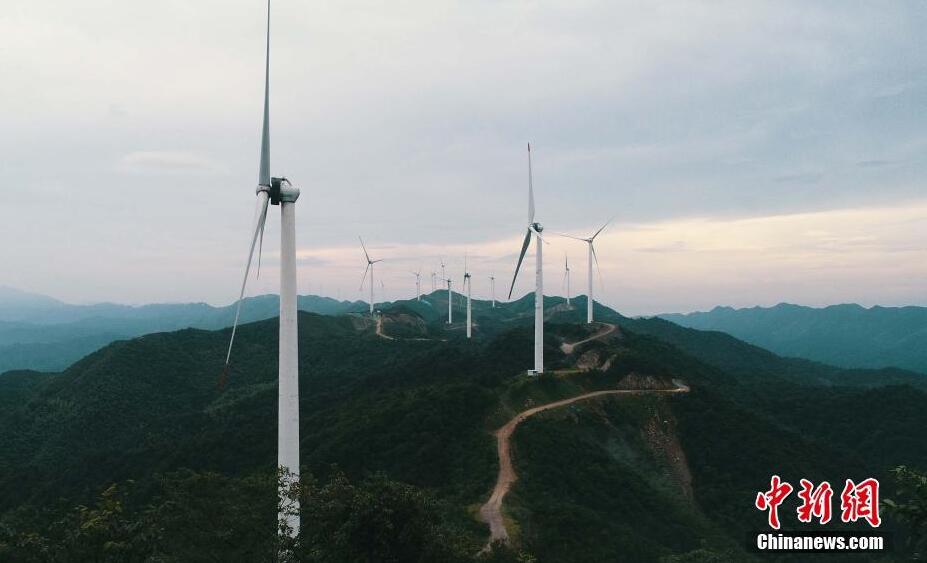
{"x": 280, "y": 190}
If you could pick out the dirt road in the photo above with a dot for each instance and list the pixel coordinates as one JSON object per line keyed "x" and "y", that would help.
{"x": 568, "y": 347}
{"x": 491, "y": 512}
{"x": 380, "y": 332}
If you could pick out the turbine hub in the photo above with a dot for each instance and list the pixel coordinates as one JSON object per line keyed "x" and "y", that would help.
{"x": 280, "y": 189}
{"x": 537, "y": 227}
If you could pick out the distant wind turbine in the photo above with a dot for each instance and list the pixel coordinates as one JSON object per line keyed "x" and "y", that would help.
{"x": 450, "y": 300}
{"x": 592, "y": 257}
{"x": 369, "y": 268}
{"x": 467, "y": 284}
{"x": 434, "y": 285}
{"x": 492, "y": 286}
{"x": 279, "y": 191}
{"x": 418, "y": 285}
{"x": 566, "y": 277}
{"x": 536, "y": 229}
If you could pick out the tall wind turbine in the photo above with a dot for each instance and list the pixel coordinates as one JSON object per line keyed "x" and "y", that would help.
{"x": 536, "y": 229}
{"x": 592, "y": 257}
{"x": 450, "y": 300}
{"x": 566, "y": 277}
{"x": 492, "y": 288}
{"x": 279, "y": 191}
{"x": 467, "y": 284}
{"x": 369, "y": 268}
{"x": 418, "y": 285}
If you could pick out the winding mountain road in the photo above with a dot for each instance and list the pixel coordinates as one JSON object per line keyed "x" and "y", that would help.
{"x": 491, "y": 512}
{"x": 380, "y": 332}
{"x": 607, "y": 328}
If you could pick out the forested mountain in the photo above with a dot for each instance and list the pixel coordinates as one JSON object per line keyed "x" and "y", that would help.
{"x": 41, "y": 333}
{"x": 134, "y": 453}
{"x": 849, "y": 336}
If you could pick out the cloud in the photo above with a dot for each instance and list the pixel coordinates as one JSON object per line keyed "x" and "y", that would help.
{"x": 168, "y": 162}
{"x": 874, "y": 163}
{"x": 805, "y": 178}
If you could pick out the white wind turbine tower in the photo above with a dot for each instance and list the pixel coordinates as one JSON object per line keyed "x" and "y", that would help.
{"x": 279, "y": 191}
{"x": 450, "y": 299}
{"x": 566, "y": 277}
{"x": 418, "y": 285}
{"x": 592, "y": 257}
{"x": 369, "y": 268}
{"x": 467, "y": 284}
{"x": 536, "y": 229}
{"x": 434, "y": 286}
{"x": 492, "y": 288}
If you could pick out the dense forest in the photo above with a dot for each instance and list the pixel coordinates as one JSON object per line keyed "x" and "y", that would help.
{"x": 135, "y": 453}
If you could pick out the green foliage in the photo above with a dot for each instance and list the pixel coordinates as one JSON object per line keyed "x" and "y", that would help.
{"x": 910, "y": 508}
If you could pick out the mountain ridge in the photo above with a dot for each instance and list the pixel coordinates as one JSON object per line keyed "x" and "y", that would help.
{"x": 845, "y": 335}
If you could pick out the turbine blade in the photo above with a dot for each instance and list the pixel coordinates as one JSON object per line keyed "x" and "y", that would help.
{"x": 530, "y": 190}
{"x": 363, "y": 279}
{"x": 524, "y": 249}
{"x": 261, "y": 247}
{"x": 264, "y": 174}
{"x": 364, "y": 247}
{"x": 570, "y": 236}
{"x": 598, "y": 269}
{"x": 262, "y": 203}
{"x": 601, "y": 229}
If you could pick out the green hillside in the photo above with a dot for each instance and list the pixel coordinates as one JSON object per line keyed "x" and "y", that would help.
{"x": 396, "y": 445}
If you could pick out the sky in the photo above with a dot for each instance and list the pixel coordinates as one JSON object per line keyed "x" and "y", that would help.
{"x": 749, "y": 153}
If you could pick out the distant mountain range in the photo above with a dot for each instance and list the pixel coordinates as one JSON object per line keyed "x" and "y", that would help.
{"x": 842, "y": 335}
{"x": 41, "y": 333}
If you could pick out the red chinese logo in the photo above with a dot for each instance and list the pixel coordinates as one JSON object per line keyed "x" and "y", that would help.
{"x": 815, "y": 502}
{"x": 857, "y": 501}
{"x": 861, "y": 502}
{"x": 771, "y": 499}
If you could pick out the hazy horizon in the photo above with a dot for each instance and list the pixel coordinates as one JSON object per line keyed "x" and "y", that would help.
{"x": 427, "y": 290}
{"x": 751, "y": 152}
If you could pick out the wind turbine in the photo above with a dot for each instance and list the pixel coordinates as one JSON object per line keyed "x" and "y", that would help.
{"x": 492, "y": 286}
{"x": 369, "y": 268}
{"x": 467, "y": 284}
{"x": 418, "y": 285}
{"x": 536, "y": 229}
{"x": 433, "y": 281}
{"x": 566, "y": 277}
{"x": 279, "y": 191}
{"x": 450, "y": 300}
{"x": 592, "y": 257}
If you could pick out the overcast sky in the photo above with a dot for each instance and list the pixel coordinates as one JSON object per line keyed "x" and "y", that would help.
{"x": 750, "y": 152}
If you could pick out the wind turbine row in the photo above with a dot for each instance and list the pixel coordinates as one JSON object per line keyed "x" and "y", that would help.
{"x": 279, "y": 191}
